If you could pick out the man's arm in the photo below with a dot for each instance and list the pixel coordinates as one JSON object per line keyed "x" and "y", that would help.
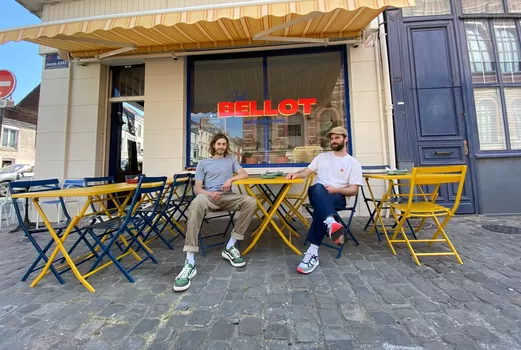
{"x": 347, "y": 191}
{"x": 241, "y": 174}
{"x": 200, "y": 190}
{"x": 300, "y": 174}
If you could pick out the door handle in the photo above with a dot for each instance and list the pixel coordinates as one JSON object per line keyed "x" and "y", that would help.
{"x": 436, "y": 153}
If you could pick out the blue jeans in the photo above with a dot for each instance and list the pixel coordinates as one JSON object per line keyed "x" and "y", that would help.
{"x": 324, "y": 205}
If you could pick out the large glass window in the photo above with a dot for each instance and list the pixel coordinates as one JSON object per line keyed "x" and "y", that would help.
{"x": 497, "y": 87}
{"x": 482, "y": 6}
{"x": 276, "y": 108}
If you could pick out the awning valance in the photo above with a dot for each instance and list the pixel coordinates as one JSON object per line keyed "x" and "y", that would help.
{"x": 188, "y": 29}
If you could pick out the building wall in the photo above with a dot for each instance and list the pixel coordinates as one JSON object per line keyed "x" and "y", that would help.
{"x": 25, "y": 152}
{"x": 72, "y": 128}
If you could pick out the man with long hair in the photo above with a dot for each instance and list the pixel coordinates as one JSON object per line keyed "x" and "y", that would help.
{"x": 338, "y": 176}
{"x": 214, "y": 177}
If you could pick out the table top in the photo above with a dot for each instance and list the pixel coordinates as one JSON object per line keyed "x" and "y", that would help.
{"x": 279, "y": 180}
{"x": 87, "y": 191}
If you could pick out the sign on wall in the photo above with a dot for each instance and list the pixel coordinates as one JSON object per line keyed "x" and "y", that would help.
{"x": 286, "y": 107}
{"x": 7, "y": 83}
{"x": 53, "y": 61}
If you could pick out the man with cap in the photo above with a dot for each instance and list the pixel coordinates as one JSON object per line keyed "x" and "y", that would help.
{"x": 338, "y": 176}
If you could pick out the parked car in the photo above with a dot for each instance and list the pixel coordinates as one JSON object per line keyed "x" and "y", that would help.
{"x": 12, "y": 173}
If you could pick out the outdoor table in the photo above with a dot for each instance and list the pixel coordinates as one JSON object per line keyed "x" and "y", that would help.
{"x": 386, "y": 197}
{"x": 93, "y": 195}
{"x": 274, "y": 206}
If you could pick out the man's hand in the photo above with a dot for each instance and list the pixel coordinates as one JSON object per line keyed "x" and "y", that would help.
{"x": 227, "y": 186}
{"x": 214, "y": 195}
{"x": 331, "y": 189}
{"x": 292, "y": 176}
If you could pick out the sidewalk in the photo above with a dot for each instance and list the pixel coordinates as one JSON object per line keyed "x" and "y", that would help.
{"x": 367, "y": 299}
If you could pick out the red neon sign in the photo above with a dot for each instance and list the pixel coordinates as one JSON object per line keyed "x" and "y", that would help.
{"x": 286, "y": 107}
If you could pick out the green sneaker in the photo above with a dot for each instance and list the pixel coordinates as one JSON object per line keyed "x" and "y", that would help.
{"x": 182, "y": 281}
{"x": 233, "y": 256}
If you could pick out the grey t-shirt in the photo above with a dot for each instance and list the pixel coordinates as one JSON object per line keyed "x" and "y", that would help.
{"x": 213, "y": 172}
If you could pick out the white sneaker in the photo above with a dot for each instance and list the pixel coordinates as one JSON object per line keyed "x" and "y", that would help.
{"x": 308, "y": 264}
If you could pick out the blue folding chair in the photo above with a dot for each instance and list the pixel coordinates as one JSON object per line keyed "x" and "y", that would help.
{"x": 139, "y": 216}
{"x": 347, "y": 227}
{"x": 170, "y": 208}
{"x": 19, "y": 187}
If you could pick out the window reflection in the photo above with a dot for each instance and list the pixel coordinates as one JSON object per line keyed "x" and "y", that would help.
{"x": 272, "y": 107}
{"x": 508, "y": 51}
{"x": 481, "y": 55}
{"x": 482, "y": 6}
{"x": 489, "y": 115}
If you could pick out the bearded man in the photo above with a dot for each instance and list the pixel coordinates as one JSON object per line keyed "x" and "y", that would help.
{"x": 338, "y": 176}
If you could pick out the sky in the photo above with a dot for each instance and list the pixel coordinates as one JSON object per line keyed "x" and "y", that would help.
{"x": 20, "y": 58}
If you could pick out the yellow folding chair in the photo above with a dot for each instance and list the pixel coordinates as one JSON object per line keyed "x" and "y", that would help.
{"x": 427, "y": 207}
{"x": 294, "y": 202}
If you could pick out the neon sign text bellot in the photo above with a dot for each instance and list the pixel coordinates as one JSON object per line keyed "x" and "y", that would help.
{"x": 286, "y": 107}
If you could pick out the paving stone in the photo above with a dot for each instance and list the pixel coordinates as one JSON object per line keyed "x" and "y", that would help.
{"x": 222, "y": 330}
{"x": 146, "y": 326}
{"x": 192, "y": 339}
{"x": 395, "y": 336}
{"x": 383, "y": 318}
{"x": 250, "y": 326}
{"x": 481, "y": 334}
{"x": 307, "y": 332}
{"x": 365, "y": 333}
{"x": 353, "y": 312}
{"x": 200, "y": 318}
{"x": 277, "y": 331}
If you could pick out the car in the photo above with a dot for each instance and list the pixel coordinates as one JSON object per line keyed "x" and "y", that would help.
{"x": 12, "y": 173}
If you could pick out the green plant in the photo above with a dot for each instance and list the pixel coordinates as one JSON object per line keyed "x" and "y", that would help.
{"x": 247, "y": 154}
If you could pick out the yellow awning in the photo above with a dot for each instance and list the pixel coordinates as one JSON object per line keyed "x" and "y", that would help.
{"x": 175, "y": 30}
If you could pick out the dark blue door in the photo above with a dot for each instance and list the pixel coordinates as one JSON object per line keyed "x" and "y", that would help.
{"x": 427, "y": 94}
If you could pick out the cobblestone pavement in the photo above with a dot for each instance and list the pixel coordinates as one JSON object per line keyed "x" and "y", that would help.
{"x": 367, "y": 299}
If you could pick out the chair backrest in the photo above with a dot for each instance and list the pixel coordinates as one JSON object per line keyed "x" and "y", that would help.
{"x": 183, "y": 180}
{"x": 144, "y": 189}
{"x": 73, "y": 183}
{"x": 436, "y": 176}
{"x": 24, "y": 186}
{"x": 96, "y": 181}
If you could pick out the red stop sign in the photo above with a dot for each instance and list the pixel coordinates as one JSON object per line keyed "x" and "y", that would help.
{"x": 7, "y": 83}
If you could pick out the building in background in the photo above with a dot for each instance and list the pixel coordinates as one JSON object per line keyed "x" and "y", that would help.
{"x": 19, "y": 131}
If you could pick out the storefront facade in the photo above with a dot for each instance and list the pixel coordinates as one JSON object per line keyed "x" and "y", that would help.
{"x": 152, "y": 108}
{"x": 455, "y": 69}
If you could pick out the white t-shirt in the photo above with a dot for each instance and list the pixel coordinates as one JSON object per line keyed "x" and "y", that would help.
{"x": 336, "y": 171}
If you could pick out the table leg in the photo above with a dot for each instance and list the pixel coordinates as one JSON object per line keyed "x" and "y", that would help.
{"x": 269, "y": 218}
{"x": 59, "y": 245}
{"x": 377, "y": 215}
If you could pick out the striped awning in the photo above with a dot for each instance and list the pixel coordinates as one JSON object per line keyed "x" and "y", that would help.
{"x": 183, "y": 29}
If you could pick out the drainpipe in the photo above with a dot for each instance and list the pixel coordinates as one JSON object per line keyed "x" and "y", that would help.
{"x": 387, "y": 92}
{"x": 381, "y": 113}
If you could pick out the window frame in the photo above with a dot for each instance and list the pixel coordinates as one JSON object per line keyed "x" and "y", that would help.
{"x": 16, "y": 132}
{"x": 499, "y": 84}
{"x": 342, "y": 49}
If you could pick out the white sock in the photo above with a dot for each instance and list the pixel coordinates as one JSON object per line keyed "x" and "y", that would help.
{"x": 190, "y": 256}
{"x": 313, "y": 249}
{"x": 231, "y": 242}
{"x": 329, "y": 220}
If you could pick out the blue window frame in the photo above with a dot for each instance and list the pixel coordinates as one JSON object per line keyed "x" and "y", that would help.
{"x": 282, "y": 140}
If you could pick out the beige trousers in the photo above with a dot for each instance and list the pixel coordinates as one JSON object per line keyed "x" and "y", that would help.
{"x": 203, "y": 204}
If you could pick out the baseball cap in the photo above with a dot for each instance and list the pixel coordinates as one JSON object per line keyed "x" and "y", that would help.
{"x": 337, "y": 130}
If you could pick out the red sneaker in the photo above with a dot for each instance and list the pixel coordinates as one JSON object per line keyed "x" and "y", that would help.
{"x": 336, "y": 233}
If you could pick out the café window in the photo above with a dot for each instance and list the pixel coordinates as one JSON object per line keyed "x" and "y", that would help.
{"x": 276, "y": 107}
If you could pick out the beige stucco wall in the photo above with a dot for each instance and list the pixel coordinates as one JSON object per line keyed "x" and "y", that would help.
{"x": 72, "y": 126}
{"x": 26, "y": 149}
